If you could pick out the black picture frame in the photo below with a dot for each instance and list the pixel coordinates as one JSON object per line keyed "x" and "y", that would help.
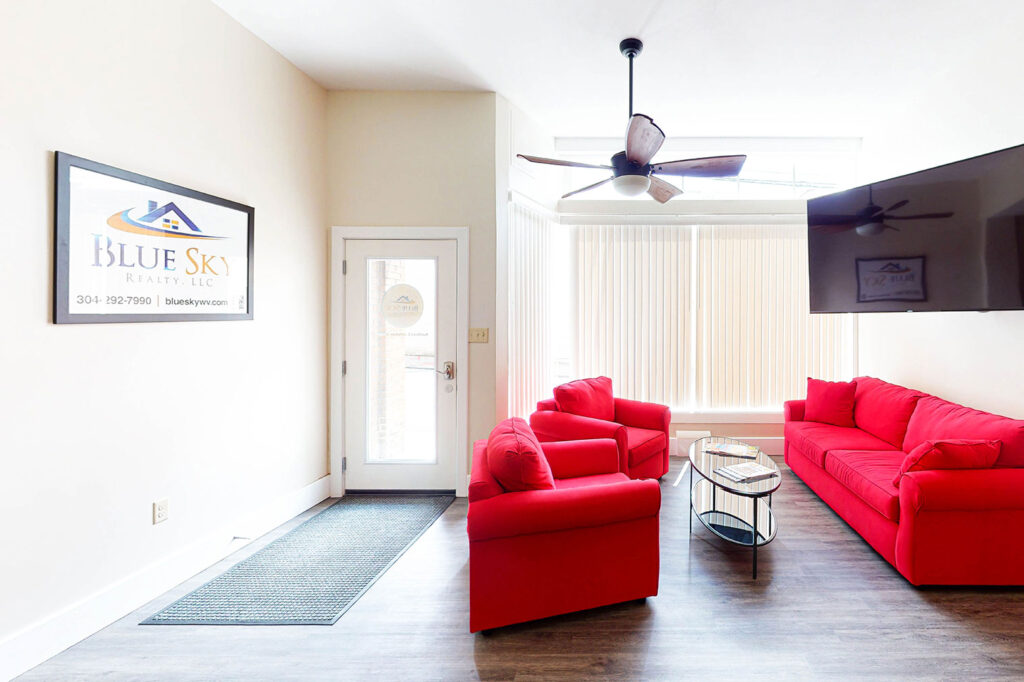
{"x": 63, "y": 163}
{"x": 924, "y": 279}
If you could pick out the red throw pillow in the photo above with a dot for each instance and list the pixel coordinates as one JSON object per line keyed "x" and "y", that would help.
{"x": 587, "y": 398}
{"x": 950, "y": 454}
{"x": 515, "y": 458}
{"x": 830, "y": 402}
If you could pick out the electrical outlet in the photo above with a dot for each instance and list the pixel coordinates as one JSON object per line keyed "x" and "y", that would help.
{"x": 160, "y": 511}
{"x": 478, "y": 334}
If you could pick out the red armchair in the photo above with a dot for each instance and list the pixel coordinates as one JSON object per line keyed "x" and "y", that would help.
{"x": 589, "y": 541}
{"x": 640, "y": 430}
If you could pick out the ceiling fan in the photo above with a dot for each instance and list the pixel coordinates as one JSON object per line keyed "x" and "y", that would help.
{"x": 870, "y": 221}
{"x": 632, "y": 170}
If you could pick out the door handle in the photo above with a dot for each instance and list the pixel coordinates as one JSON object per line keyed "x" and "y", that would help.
{"x": 448, "y": 371}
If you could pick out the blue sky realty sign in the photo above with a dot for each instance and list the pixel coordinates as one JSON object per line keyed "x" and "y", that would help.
{"x": 134, "y": 249}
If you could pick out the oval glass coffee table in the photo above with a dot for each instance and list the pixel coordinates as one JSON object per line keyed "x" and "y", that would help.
{"x": 740, "y": 513}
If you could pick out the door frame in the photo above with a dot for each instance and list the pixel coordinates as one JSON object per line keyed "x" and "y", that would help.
{"x": 336, "y": 340}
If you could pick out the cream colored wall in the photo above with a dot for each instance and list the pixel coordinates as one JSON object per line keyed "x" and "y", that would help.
{"x": 970, "y": 358}
{"x": 98, "y": 421}
{"x": 424, "y": 159}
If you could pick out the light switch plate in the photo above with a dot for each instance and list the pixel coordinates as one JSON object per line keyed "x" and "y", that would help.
{"x": 479, "y": 334}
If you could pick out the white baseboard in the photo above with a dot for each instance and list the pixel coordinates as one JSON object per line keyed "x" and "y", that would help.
{"x": 52, "y": 634}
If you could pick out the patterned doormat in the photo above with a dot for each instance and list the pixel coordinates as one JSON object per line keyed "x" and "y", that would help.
{"x": 315, "y": 572}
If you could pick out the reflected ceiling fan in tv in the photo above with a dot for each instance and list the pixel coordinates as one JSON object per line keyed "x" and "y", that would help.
{"x": 632, "y": 170}
{"x": 961, "y": 247}
{"x": 870, "y": 221}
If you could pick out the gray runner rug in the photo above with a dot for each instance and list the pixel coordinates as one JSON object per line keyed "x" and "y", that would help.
{"x": 315, "y": 572}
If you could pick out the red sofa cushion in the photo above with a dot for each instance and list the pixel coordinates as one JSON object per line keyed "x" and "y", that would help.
{"x": 830, "y": 402}
{"x": 813, "y": 440}
{"x": 644, "y": 444}
{"x": 937, "y": 419}
{"x": 587, "y": 398}
{"x": 883, "y": 409}
{"x": 950, "y": 454}
{"x": 868, "y": 474}
{"x": 584, "y": 481}
{"x": 515, "y": 458}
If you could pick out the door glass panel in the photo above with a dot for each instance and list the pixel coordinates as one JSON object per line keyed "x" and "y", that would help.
{"x": 401, "y": 356}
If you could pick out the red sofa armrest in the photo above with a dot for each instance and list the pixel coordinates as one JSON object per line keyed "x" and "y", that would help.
{"x": 549, "y": 426}
{"x": 962, "y": 490}
{"x": 548, "y": 405}
{"x": 642, "y": 415}
{"x": 574, "y": 458}
{"x": 955, "y": 524}
{"x": 545, "y": 511}
{"x": 558, "y": 426}
{"x": 793, "y": 410}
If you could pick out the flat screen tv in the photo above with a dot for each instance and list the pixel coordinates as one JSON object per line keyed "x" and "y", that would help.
{"x": 946, "y": 238}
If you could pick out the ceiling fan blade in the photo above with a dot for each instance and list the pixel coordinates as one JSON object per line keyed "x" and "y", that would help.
{"x": 662, "y": 191}
{"x": 707, "y": 167}
{"x": 584, "y": 189}
{"x": 834, "y": 228}
{"x": 919, "y": 216}
{"x": 897, "y": 205}
{"x": 560, "y": 162}
{"x": 643, "y": 139}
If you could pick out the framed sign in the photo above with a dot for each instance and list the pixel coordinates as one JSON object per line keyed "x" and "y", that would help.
{"x": 129, "y": 248}
{"x": 891, "y": 279}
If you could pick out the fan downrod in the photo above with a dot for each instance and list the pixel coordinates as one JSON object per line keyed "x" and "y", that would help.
{"x": 631, "y": 47}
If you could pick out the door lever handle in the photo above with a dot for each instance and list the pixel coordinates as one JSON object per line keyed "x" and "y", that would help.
{"x": 448, "y": 371}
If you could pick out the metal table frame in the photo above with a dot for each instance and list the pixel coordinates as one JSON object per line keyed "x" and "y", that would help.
{"x": 755, "y": 498}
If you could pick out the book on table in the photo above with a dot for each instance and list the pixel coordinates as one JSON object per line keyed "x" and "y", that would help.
{"x": 747, "y": 472}
{"x": 741, "y": 450}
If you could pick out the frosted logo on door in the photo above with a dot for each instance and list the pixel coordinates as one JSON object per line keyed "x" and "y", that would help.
{"x": 402, "y": 306}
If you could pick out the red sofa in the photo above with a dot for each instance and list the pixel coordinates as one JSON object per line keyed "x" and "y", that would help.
{"x": 938, "y": 527}
{"x": 590, "y": 540}
{"x": 639, "y": 429}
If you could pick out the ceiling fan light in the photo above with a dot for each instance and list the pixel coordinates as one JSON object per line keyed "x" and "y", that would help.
{"x": 631, "y": 185}
{"x": 870, "y": 229}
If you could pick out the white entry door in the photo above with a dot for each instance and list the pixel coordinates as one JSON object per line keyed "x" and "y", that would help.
{"x": 400, "y": 351}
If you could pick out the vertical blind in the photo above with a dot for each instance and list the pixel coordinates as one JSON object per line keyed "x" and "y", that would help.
{"x": 530, "y": 331}
{"x": 635, "y": 284}
{"x": 756, "y": 340}
{"x": 703, "y": 317}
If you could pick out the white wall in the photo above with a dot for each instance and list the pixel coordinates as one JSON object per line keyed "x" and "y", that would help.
{"x": 98, "y": 421}
{"x": 424, "y": 159}
{"x": 973, "y": 358}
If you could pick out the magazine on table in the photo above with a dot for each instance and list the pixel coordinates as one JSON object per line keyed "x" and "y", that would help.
{"x": 741, "y": 450}
{"x": 747, "y": 472}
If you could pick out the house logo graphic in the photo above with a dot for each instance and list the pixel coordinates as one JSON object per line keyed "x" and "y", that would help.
{"x": 891, "y": 268}
{"x": 161, "y": 221}
{"x": 402, "y": 306}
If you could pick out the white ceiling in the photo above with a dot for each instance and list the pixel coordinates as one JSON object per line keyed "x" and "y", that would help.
{"x": 709, "y": 67}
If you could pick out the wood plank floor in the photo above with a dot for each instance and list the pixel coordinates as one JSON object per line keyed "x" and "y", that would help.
{"x": 825, "y": 606}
